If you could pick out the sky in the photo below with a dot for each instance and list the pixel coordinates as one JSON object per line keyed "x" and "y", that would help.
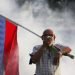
{"x": 36, "y": 16}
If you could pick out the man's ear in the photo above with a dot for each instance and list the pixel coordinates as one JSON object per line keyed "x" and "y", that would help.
{"x": 54, "y": 37}
{"x": 42, "y": 37}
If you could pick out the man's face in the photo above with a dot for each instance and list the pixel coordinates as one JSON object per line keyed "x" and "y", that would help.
{"x": 48, "y": 37}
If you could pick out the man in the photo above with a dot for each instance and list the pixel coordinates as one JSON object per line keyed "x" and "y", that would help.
{"x": 46, "y": 56}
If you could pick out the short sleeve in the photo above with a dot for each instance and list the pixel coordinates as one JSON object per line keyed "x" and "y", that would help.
{"x": 35, "y": 49}
{"x": 60, "y": 47}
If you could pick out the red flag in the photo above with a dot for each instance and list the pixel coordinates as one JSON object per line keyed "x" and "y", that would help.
{"x": 11, "y": 58}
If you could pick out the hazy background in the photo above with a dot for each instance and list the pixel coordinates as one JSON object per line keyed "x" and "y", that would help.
{"x": 38, "y": 15}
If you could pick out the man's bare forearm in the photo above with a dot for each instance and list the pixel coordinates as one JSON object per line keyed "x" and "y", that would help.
{"x": 36, "y": 57}
{"x": 66, "y": 50}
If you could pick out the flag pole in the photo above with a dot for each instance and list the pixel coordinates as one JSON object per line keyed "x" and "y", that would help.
{"x": 17, "y": 24}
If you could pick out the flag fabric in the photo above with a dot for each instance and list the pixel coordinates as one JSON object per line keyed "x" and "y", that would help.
{"x": 9, "y": 59}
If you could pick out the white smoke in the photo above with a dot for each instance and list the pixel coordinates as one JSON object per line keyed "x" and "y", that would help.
{"x": 36, "y": 16}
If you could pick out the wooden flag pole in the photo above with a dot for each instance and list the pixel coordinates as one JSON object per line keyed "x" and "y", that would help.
{"x": 21, "y": 26}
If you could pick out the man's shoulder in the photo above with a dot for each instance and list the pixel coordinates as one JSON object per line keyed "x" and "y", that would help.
{"x": 37, "y": 46}
{"x": 35, "y": 49}
{"x": 59, "y": 46}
